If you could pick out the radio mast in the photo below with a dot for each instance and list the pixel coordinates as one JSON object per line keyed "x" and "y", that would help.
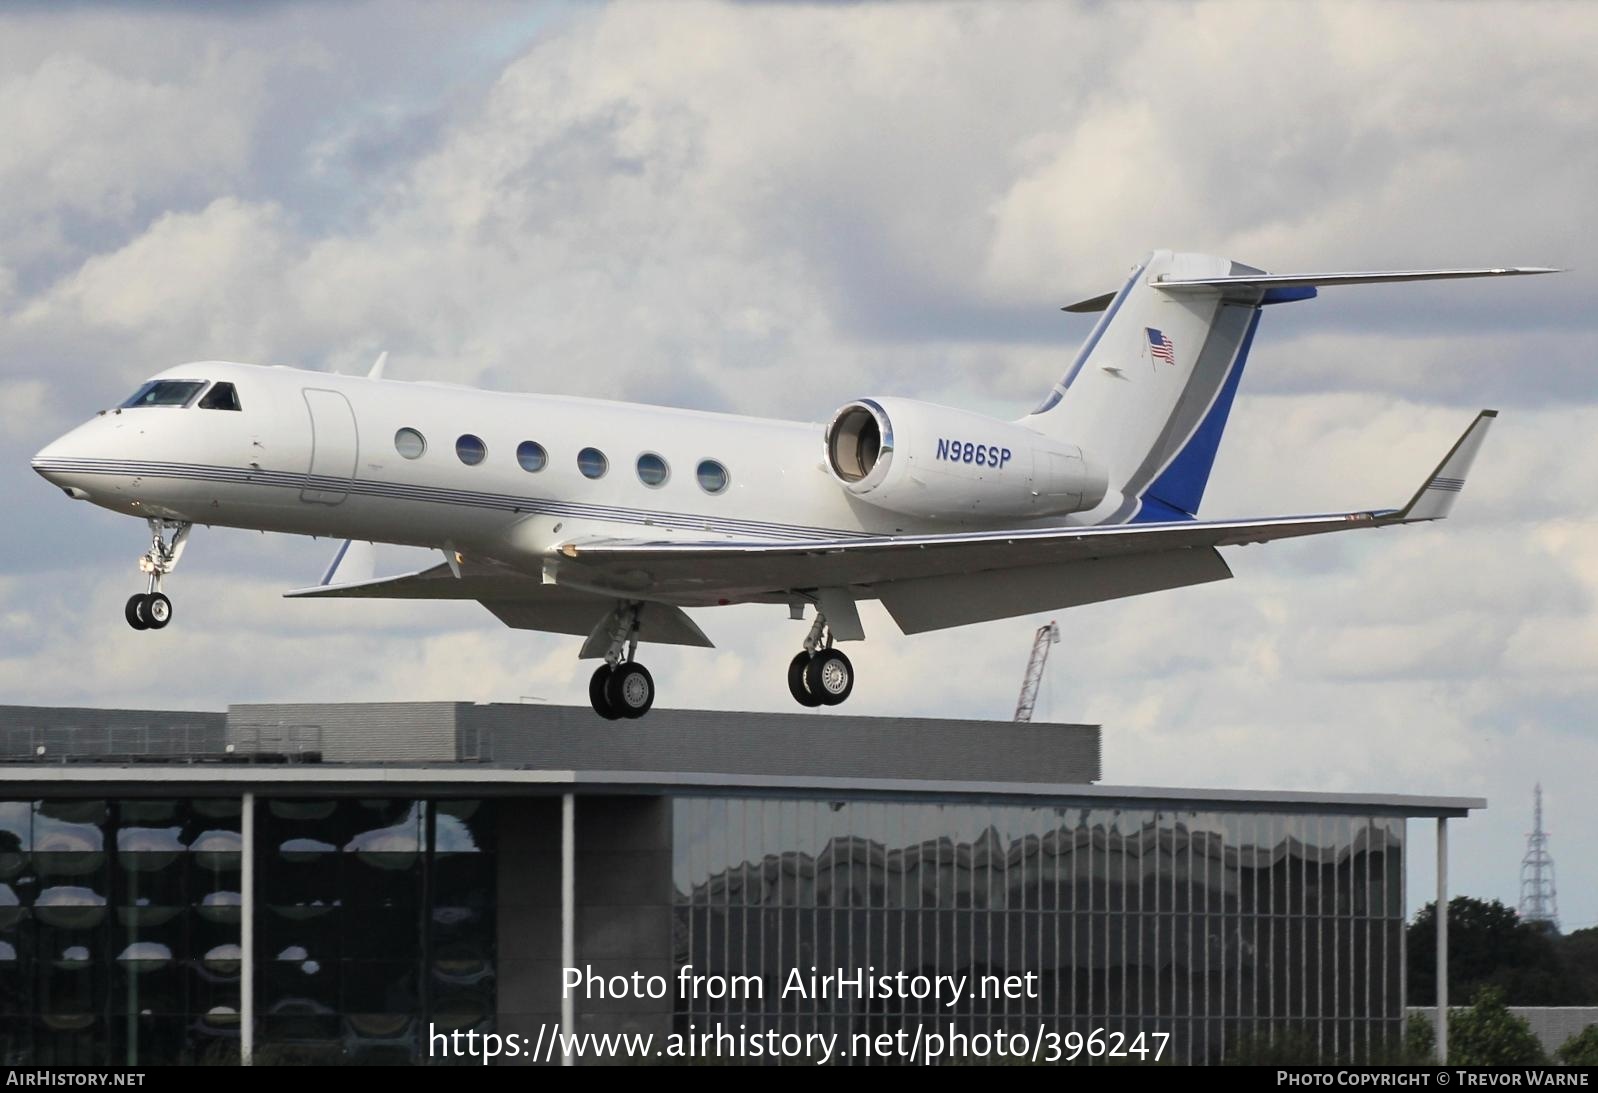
{"x": 1539, "y": 900}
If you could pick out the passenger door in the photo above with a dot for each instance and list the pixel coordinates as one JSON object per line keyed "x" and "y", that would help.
{"x": 335, "y": 447}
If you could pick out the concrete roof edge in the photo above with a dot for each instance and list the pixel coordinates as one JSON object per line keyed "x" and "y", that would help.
{"x": 460, "y": 776}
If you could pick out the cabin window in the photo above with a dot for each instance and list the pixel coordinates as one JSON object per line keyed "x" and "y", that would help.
{"x": 712, "y": 476}
{"x": 531, "y": 455}
{"x": 471, "y": 449}
{"x": 592, "y": 462}
{"x": 652, "y": 470}
{"x": 164, "y": 393}
{"x": 410, "y": 443}
{"x": 221, "y": 396}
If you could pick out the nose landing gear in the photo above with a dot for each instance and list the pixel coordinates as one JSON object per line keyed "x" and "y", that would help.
{"x": 820, "y": 675}
{"x": 621, "y": 687}
{"x": 151, "y": 609}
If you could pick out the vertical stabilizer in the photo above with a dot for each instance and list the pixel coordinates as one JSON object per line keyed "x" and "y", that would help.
{"x": 1150, "y": 391}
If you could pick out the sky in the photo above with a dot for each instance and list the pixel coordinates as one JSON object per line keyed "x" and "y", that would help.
{"x": 776, "y": 209}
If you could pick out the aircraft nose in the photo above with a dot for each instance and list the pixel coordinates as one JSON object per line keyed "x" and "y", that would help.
{"x": 55, "y": 464}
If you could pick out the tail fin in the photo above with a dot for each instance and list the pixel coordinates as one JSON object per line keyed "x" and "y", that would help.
{"x": 1150, "y": 390}
{"x": 1149, "y": 393}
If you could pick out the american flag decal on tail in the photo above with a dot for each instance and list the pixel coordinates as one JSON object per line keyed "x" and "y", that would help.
{"x": 1160, "y": 347}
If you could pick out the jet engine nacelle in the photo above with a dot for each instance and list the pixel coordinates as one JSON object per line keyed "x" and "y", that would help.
{"x": 938, "y": 462}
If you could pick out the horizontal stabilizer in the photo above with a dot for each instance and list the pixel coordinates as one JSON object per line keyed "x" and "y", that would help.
{"x": 1314, "y": 280}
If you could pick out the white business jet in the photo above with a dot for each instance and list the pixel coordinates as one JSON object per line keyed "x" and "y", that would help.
{"x": 607, "y": 519}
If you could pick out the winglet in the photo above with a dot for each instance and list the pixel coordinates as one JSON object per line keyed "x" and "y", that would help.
{"x": 1435, "y": 498}
{"x": 376, "y": 371}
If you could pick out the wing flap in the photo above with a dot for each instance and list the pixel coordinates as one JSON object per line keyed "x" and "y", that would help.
{"x": 936, "y": 603}
{"x": 589, "y": 616}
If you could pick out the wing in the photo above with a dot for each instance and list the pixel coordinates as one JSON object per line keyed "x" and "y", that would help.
{"x": 927, "y": 582}
{"x": 519, "y": 601}
{"x": 931, "y": 581}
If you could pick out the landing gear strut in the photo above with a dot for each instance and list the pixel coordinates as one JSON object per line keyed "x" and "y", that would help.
{"x": 151, "y": 609}
{"x": 621, "y": 687}
{"x": 820, "y": 675}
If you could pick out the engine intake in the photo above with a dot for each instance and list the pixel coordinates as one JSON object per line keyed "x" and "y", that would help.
{"x": 860, "y": 441}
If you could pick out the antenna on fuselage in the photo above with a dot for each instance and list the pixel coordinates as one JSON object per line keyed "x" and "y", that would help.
{"x": 377, "y": 368}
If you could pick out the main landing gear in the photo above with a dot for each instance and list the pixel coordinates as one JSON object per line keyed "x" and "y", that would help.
{"x": 820, "y": 675}
{"x": 151, "y": 609}
{"x": 621, "y": 687}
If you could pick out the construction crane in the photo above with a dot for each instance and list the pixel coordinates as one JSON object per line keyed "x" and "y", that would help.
{"x": 1045, "y": 637}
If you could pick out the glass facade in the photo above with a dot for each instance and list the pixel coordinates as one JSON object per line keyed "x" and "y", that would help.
{"x": 377, "y": 918}
{"x": 119, "y": 931}
{"x": 119, "y": 928}
{"x": 1233, "y": 932}
{"x": 1237, "y": 933}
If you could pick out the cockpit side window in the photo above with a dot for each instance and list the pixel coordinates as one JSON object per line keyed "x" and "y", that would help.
{"x": 221, "y": 396}
{"x": 164, "y": 393}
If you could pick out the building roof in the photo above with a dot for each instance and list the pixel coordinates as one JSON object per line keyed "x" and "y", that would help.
{"x": 466, "y": 749}
{"x": 457, "y": 779}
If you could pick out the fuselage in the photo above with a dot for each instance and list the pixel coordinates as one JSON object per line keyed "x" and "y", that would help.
{"x": 444, "y": 466}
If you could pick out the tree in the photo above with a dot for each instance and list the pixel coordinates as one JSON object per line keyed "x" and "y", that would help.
{"x": 1581, "y": 1049}
{"x": 1420, "y": 1040}
{"x": 1488, "y": 945}
{"x": 1578, "y": 951}
{"x": 1487, "y": 1034}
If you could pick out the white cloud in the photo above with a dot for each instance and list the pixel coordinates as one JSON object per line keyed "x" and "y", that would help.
{"x": 88, "y": 143}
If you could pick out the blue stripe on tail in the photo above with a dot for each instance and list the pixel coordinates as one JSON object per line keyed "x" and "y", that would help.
{"x": 1176, "y": 493}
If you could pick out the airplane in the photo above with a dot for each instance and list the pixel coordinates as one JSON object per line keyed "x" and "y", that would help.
{"x": 606, "y": 520}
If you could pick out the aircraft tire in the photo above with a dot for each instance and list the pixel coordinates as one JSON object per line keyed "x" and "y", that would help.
{"x": 796, "y": 681}
{"x": 134, "y": 612}
{"x": 156, "y": 611}
{"x": 829, "y": 677}
{"x": 596, "y": 693}
{"x": 630, "y": 690}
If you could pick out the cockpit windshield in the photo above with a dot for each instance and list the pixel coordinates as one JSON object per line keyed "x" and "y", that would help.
{"x": 221, "y": 396}
{"x": 164, "y": 393}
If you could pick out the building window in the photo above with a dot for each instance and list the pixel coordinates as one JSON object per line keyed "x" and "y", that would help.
{"x": 410, "y": 443}
{"x": 221, "y": 396}
{"x": 470, "y": 449}
{"x": 712, "y": 476}
{"x": 652, "y": 470}
{"x": 531, "y": 455}
{"x": 592, "y": 462}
